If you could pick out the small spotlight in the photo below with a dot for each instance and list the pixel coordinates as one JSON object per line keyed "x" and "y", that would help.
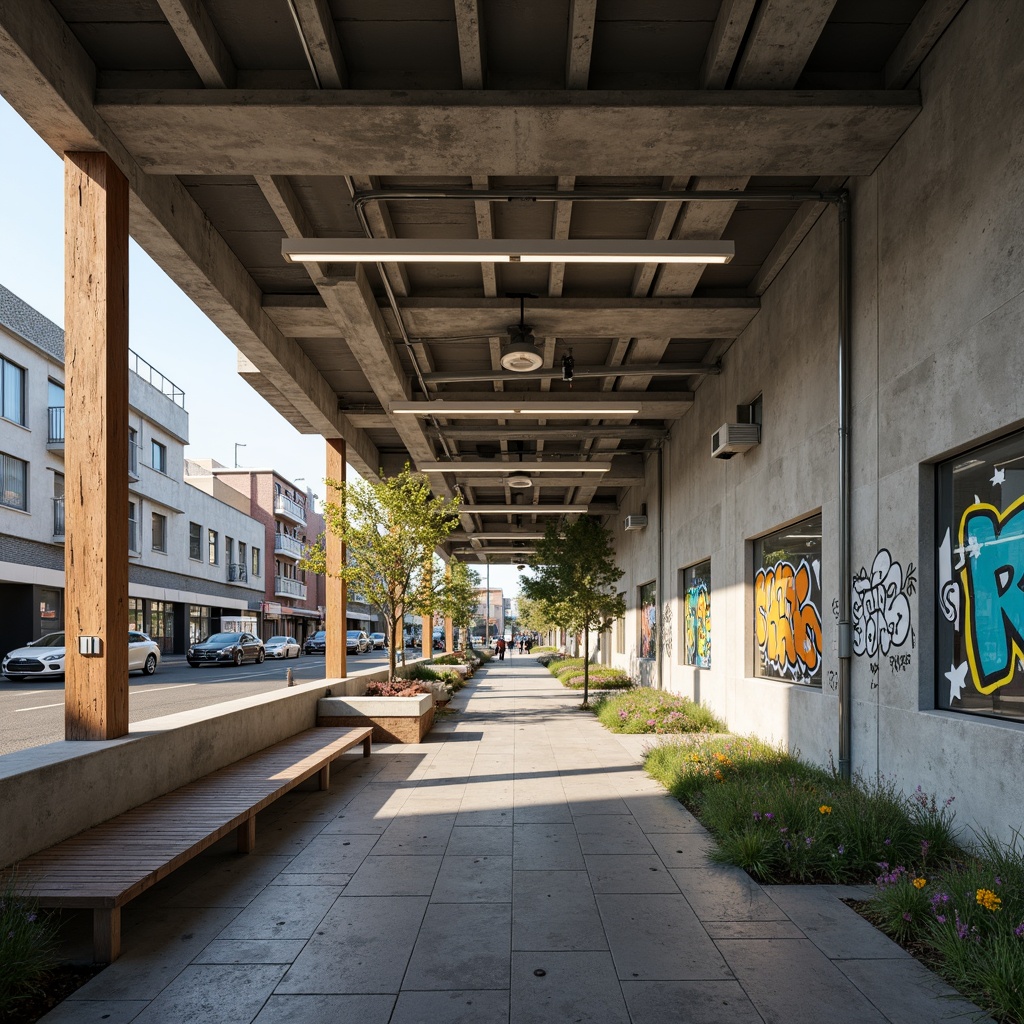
{"x": 568, "y": 365}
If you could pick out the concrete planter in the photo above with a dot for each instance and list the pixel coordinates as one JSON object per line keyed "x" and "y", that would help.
{"x": 394, "y": 719}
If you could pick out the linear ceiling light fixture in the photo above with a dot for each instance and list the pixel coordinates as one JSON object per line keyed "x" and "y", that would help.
{"x": 495, "y": 410}
{"x": 487, "y": 250}
{"x": 493, "y": 466}
{"x": 522, "y": 510}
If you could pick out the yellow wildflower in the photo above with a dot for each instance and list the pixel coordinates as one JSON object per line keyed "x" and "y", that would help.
{"x": 719, "y": 775}
{"x": 988, "y": 899}
{"x": 920, "y": 883}
{"x": 824, "y": 809}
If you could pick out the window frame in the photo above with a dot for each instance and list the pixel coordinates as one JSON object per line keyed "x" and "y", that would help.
{"x": 158, "y": 453}
{"x": 644, "y": 589}
{"x": 195, "y": 536}
{"x": 156, "y": 517}
{"x": 700, "y": 575}
{"x": 22, "y": 397}
{"x": 7, "y": 462}
{"x": 213, "y": 547}
{"x": 810, "y": 627}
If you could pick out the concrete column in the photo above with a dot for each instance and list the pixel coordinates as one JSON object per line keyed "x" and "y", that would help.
{"x": 336, "y": 590}
{"x": 96, "y": 449}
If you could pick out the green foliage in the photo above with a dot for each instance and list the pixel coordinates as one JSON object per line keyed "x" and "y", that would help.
{"x": 601, "y": 679}
{"x": 27, "y": 948}
{"x": 643, "y": 710}
{"x": 457, "y": 596}
{"x": 532, "y": 616}
{"x": 390, "y": 530}
{"x": 575, "y": 581}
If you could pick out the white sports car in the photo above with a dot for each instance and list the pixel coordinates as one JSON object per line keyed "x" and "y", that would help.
{"x": 44, "y": 657}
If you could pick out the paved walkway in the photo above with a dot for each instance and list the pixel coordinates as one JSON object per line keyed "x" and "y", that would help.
{"x": 517, "y": 867}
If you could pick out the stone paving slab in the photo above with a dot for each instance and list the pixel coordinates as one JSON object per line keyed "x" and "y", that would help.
{"x": 516, "y": 867}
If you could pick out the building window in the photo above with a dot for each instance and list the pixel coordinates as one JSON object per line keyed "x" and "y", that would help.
{"x": 136, "y": 615}
{"x": 161, "y": 625}
{"x": 12, "y": 392}
{"x": 787, "y": 603}
{"x": 214, "y": 550}
{"x": 980, "y": 569}
{"x": 199, "y": 623}
{"x": 133, "y": 532}
{"x": 54, "y": 413}
{"x": 697, "y": 615}
{"x": 255, "y": 561}
{"x": 195, "y": 541}
{"x": 133, "y": 452}
{"x": 159, "y": 457}
{"x": 13, "y": 482}
{"x": 159, "y": 532}
{"x": 648, "y": 622}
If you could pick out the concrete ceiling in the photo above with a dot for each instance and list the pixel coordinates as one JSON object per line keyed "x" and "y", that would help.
{"x": 238, "y": 124}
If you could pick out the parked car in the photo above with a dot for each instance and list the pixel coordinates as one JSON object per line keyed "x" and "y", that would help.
{"x": 282, "y": 647}
{"x": 45, "y": 657}
{"x": 227, "y": 649}
{"x": 317, "y": 643}
{"x": 357, "y": 641}
{"x": 379, "y": 641}
{"x": 438, "y": 641}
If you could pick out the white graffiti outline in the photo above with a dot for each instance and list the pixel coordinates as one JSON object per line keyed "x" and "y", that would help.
{"x": 881, "y": 605}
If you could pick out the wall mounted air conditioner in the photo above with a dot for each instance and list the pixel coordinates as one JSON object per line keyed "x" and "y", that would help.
{"x": 733, "y": 438}
{"x": 636, "y": 522}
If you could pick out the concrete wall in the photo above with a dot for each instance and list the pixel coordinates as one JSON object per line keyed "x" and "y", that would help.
{"x": 938, "y": 321}
{"x": 51, "y": 792}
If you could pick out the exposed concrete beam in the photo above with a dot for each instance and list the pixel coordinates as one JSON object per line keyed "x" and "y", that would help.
{"x": 932, "y": 20}
{"x": 317, "y": 26}
{"x": 781, "y": 39}
{"x": 486, "y": 132}
{"x": 432, "y": 319}
{"x": 50, "y": 81}
{"x": 201, "y": 42}
{"x": 645, "y": 370}
{"x": 470, "y": 28}
{"x": 582, "y": 14}
{"x": 550, "y": 479}
{"x": 724, "y": 45}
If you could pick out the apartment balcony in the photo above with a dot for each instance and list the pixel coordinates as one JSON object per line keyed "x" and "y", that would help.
{"x": 284, "y": 586}
{"x": 237, "y": 573}
{"x": 288, "y": 546}
{"x": 55, "y": 428}
{"x": 288, "y": 509}
{"x": 58, "y": 519}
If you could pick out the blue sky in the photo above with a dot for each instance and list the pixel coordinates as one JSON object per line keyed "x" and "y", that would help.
{"x": 165, "y": 326}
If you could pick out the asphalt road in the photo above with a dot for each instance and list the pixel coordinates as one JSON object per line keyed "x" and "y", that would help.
{"x": 32, "y": 712}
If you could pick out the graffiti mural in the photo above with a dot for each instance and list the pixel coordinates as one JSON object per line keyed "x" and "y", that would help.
{"x": 697, "y": 616}
{"x": 648, "y": 621}
{"x": 992, "y": 549}
{"x": 787, "y": 599}
{"x": 881, "y": 606}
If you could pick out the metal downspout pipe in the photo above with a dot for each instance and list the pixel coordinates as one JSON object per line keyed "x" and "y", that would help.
{"x": 845, "y": 635}
{"x": 658, "y": 588}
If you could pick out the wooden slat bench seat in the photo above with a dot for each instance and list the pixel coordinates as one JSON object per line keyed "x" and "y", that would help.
{"x": 106, "y": 866}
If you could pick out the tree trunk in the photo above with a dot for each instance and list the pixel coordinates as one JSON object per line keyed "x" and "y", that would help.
{"x": 586, "y": 667}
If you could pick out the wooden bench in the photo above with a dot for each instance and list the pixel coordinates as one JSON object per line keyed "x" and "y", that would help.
{"x": 106, "y": 866}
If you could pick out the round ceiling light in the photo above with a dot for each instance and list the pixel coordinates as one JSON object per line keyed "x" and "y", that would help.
{"x": 521, "y": 355}
{"x": 519, "y": 480}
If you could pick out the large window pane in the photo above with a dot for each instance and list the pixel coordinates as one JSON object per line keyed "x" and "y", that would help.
{"x": 13, "y": 482}
{"x": 787, "y": 603}
{"x": 648, "y": 621}
{"x": 980, "y": 575}
{"x": 697, "y": 615}
{"x": 195, "y": 541}
{"x": 12, "y": 392}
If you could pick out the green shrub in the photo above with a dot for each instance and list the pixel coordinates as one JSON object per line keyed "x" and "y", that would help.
{"x": 643, "y": 710}
{"x": 449, "y": 659}
{"x": 27, "y": 949}
{"x": 600, "y": 679}
{"x": 547, "y": 657}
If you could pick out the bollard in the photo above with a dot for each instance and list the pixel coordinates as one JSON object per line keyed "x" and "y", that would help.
{"x": 291, "y": 682}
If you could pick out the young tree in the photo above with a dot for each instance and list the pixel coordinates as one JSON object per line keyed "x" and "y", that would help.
{"x": 390, "y": 531}
{"x": 457, "y": 599}
{"x": 533, "y": 617}
{"x": 575, "y": 582}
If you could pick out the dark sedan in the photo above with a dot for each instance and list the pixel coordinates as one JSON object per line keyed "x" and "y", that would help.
{"x": 227, "y": 649}
{"x": 317, "y": 643}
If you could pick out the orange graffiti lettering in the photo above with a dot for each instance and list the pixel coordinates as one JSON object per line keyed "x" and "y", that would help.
{"x": 787, "y": 622}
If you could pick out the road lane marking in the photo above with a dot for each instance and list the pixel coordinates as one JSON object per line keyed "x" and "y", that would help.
{"x": 39, "y": 707}
{"x": 161, "y": 689}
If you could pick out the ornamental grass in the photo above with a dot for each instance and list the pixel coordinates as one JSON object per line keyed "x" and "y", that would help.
{"x": 783, "y": 820}
{"x": 569, "y": 672}
{"x": 643, "y": 710}
{"x": 27, "y": 949}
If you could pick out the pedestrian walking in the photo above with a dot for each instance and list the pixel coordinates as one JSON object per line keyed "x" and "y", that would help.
{"x": 500, "y": 648}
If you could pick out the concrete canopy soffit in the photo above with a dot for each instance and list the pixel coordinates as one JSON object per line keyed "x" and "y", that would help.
{"x": 238, "y": 126}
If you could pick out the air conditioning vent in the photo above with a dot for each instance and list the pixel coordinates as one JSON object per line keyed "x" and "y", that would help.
{"x": 636, "y": 522}
{"x": 733, "y": 438}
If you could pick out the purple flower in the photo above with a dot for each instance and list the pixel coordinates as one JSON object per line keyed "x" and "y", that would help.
{"x": 757, "y": 815}
{"x": 31, "y": 918}
{"x": 841, "y": 848}
{"x": 906, "y": 916}
{"x": 941, "y": 918}
{"x": 808, "y": 840}
{"x": 768, "y": 816}
{"x": 999, "y": 881}
{"x": 1019, "y": 930}
{"x": 888, "y": 842}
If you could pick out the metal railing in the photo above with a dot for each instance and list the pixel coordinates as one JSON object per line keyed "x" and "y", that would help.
{"x": 287, "y": 545}
{"x": 154, "y": 377}
{"x": 55, "y": 424}
{"x": 237, "y": 572}
{"x": 285, "y": 506}
{"x": 58, "y": 517}
{"x": 285, "y": 586}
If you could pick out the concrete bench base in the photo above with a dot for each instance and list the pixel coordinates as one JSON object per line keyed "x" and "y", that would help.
{"x": 394, "y": 719}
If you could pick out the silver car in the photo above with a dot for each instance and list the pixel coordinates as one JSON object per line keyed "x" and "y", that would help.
{"x": 282, "y": 647}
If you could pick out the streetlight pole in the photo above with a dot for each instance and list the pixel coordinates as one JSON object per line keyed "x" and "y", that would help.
{"x": 237, "y": 446}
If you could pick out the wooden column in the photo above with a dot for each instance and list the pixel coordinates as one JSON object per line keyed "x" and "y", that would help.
{"x": 96, "y": 450}
{"x": 428, "y": 636}
{"x": 336, "y": 598}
